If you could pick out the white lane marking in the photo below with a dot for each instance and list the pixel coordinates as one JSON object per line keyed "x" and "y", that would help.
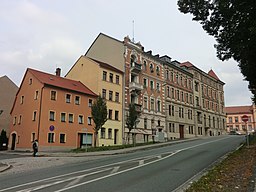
{"x": 81, "y": 171}
{"x": 141, "y": 162}
{"x": 130, "y": 169}
{"x": 62, "y": 181}
{"x": 115, "y": 169}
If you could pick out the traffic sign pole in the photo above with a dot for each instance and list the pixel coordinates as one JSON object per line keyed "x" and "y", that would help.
{"x": 245, "y": 119}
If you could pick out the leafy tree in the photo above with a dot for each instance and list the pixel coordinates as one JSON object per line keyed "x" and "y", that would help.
{"x": 233, "y": 24}
{"x": 99, "y": 116}
{"x": 131, "y": 120}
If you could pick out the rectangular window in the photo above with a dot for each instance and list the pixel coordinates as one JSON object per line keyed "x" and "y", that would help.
{"x": 152, "y": 104}
{"x": 77, "y": 100}
{"x": 145, "y": 103}
{"x": 102, "y": 133}
{"x": 110, "y": 133}
{"x": 90, "y": 103}
{"x": 151, "y": 85}
{"x": 52, "y": 116}
{"x": 68, "y": 98}
{"x": 22, "y": 99}
{"x": 116, "y": 115}
{"x": 110, "y": 96}
{"x": 53, "y": 95}
{"x": 104, "y": 76}
{"x": 36, "y": 95}
{"x": 70, "y": 118}
{"x": 34, "y": 116}
{"x": 117, "y": 79}
{"x": 89, "y": 120}
{"x": 145, "y": 83}
{"x": 63, "y": 117}
{"x": 50, "y": 137}
{"x": 111, "y": 77}
{"x": 110, "y": 114}
{"x": 104, "y": 93}
{"x": 14, "y": 120}
{"x": 145, "y": 123}
{"x": 62, "y": 138}
{"x": 80, "y": 119}
{"x": 236, "y": 119}
{"x": 117, "y": 97}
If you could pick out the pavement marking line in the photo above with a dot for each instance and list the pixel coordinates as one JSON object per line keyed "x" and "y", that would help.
{"x": 67, "y": 174}
{"x": 117, "y": 173}
{"x": 81, "y": 171}
{"x": 62, "y": 181}
{"x": 141, "y": 162}
{"x": 133, "y": 168}
{"x": 115, "y": 169}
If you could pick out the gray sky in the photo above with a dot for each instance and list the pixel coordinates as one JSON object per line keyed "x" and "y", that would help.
{"x": 45, "y": 34}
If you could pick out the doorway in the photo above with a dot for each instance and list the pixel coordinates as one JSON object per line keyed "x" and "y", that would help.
{"x": 13, "y": 141}
{"x": 181, "y": 129}
{"x": 115, "y": 136}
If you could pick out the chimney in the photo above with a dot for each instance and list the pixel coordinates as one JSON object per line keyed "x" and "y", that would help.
{"x": 58, "y": 71}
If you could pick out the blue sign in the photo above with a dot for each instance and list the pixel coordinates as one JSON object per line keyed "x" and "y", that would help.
{"x": 51, "y": 128}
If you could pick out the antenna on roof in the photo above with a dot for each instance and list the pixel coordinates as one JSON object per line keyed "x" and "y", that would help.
{"x": 133, "y": 31}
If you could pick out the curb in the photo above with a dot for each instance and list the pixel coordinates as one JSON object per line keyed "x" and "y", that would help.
{"x": 5, "y": 167}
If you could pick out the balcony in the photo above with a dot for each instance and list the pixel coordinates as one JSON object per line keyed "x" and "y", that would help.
{"x": 138, "y": 107}
{"x": 136, "y": 68}
{"x": 135, "y": 86}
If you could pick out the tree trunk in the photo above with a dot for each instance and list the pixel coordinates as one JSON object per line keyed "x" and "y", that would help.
{"x": 95, "y": 138}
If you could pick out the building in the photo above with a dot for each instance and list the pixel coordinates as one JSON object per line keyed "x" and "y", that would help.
{"x": 175, "y": 100}
{"x": 210, "y": 118}
{"x": 8, "y": 90}
{"x": 234, "y": 118}
{"x": 52, "y": 109}
{"x": 107, "y": 81}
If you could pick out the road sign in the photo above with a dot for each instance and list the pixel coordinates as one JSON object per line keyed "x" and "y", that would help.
{"x": 245, "y": 118}
{"x": 51, "y": 128}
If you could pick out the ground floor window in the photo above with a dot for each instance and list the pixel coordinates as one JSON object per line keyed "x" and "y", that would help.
{"x": 50, "y": 137}
{"x": 62, "y": 138}
{"x": 190, "y": 130}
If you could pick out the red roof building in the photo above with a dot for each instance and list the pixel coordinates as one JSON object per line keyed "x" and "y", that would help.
{"x": 52, "y": 109}
{"x": 234, "y": 118}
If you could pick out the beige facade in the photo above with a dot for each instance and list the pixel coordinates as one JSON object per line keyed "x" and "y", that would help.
{"x": 106, "y": 81}
{"x": 194, "y": 106}
{"x": 234, "y": 118}
{"x": 210, "y": 118}
{"x": 8, "y": 91}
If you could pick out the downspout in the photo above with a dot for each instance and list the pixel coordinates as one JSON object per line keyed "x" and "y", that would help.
{"x": 39, "y": 115}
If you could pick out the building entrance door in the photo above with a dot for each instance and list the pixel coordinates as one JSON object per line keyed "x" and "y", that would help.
{"x": 181, "y": 129}
{"x": 13, "y": 141}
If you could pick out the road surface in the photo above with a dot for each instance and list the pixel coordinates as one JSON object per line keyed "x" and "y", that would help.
{"x": 160, "y": 169}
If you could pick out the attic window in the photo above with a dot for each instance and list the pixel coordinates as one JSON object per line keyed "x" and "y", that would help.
{"x": 30, "y": 81}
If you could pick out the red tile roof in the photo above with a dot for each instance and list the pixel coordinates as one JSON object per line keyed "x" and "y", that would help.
{"x": 239, "y": 110}
{"x": 186, "y": 64}
{"x": 61, "y": 82}
{"x": 212, "y": 74}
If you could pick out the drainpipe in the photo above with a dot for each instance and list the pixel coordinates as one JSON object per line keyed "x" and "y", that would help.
{"x": 40, "y": 112}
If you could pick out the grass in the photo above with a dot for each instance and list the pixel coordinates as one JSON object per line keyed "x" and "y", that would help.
{"x": 106, "y": 148}
{"x": 232, "y": 174}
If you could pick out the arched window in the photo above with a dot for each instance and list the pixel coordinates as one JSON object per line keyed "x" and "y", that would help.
{"x": 157, "y": 70}
{"x": 151, "y": 68}
{"x": 145, "y": 65}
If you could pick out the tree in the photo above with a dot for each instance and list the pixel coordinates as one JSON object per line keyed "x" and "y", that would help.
{"x": 131, "y": 120}
{"x": 232, "y": 24}
{"x": 99, "y": 116}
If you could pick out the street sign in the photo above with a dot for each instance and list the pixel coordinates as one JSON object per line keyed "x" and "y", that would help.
{"x": 245, "y": 118}
{"x": 51, "y": 128}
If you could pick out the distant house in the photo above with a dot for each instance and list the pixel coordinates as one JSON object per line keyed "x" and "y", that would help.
{"x": 52, "y": 109}
{"x": 234, "y": 118}
{"x": 8, "y": 90}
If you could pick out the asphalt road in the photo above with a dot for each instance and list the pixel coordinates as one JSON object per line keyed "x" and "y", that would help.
{"x": 161, "y": 169}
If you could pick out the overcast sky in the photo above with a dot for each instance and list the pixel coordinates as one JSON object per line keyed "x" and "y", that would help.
{"x": 45, "y": 34}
